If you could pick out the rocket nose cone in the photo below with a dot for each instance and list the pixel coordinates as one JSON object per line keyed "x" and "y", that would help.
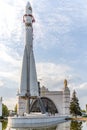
{"x": 28, "y": 6}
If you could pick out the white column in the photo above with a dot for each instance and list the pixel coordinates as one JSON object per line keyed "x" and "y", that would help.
{"x": 0, "y": 126}
{"x": 1, "y": 106}
{"x": 66, "y": 103}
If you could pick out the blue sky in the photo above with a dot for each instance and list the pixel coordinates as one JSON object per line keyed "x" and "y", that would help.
{"x": 60, "y": 36}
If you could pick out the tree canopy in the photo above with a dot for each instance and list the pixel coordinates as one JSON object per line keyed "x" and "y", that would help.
{"x": 74, "y": 105}
{"x": 4, "y": 125}
{"x": 5, "y": 111}
{"x": 75, "y": 125}
{"x": 15, "y": 109}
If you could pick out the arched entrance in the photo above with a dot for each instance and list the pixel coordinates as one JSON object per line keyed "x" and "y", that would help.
{"x": 49, "y": 106}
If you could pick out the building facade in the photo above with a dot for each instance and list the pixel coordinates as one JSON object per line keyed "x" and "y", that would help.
{"x": 54, "y": 101}
{"x": 61, "y": 99}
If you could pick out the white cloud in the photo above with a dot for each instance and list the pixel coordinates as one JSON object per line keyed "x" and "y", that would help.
{"x": 1, "y": 83}
{"x": 10, "y": 75}
{"x": 80, "y": 86}
{"x": 52, "y": 75}
{"x": 11, "y": 18}
{"x": 83, "y": 86}
{"x": 7, "y": 14}
{"x": 83, "y": 102}
{"x": 9, "y": 66}
{"x": 4, "y": 56}
{"x": 10, "y": 102}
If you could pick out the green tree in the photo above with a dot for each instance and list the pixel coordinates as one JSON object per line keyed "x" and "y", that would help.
{"x": 15, "y": 109}
{"x": 5, "y": 111}
{"x": 75, "y": 125}
{"x": 74, "y": 105}
{"x": 4, "y": 125}
{"x": 83, "y": 111}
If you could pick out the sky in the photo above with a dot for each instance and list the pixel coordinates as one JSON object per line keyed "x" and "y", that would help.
{"x": 60, "y": 46}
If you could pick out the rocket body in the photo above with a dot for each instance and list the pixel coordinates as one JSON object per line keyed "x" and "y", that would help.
{"x": 29, "y": 85}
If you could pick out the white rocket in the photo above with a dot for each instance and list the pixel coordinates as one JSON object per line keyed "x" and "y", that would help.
{"x": 29, "y": 84}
